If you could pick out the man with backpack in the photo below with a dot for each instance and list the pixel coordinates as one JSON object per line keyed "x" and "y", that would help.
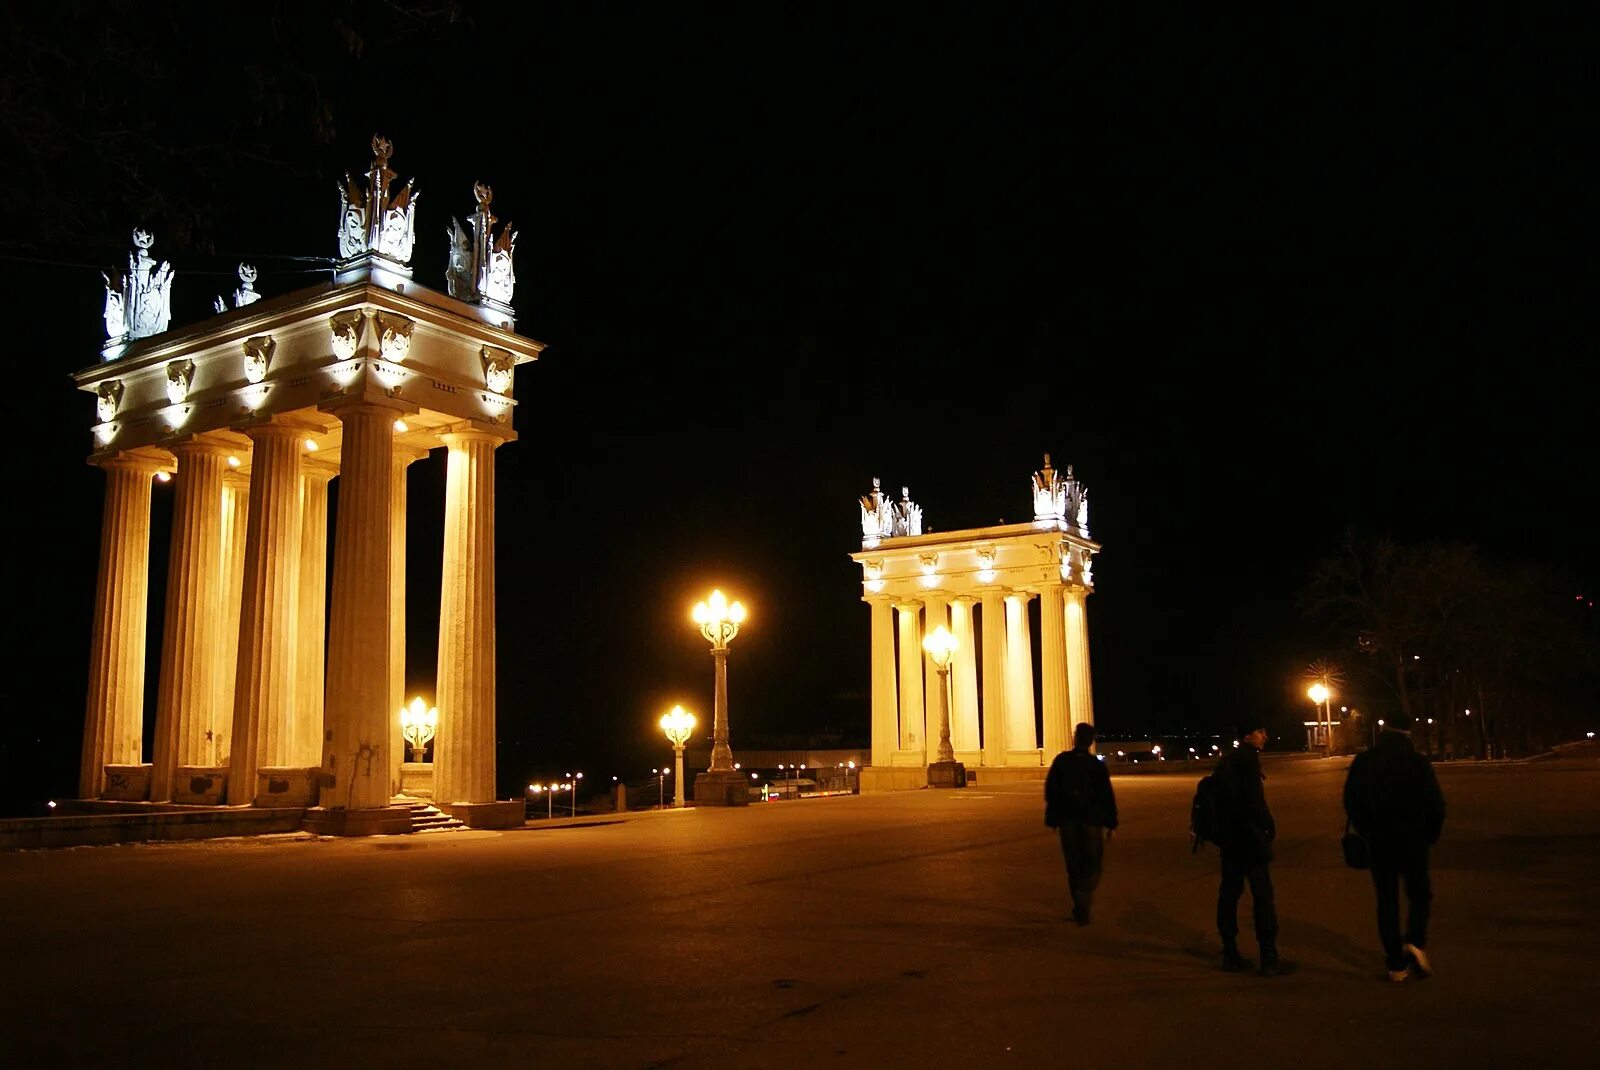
{"x": 1080, "y": 806}
{"x": 1393, "y": 799}
{"x": 1244, "y": 830}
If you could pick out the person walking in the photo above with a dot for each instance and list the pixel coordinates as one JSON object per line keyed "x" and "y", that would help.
{"x": 1393, "y": 800}
{"x": 1080, "y": 805}
{"x": 1245, "y": 834}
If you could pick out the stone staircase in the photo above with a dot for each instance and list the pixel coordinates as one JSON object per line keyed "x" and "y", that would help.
{"x": 426, "y": 817}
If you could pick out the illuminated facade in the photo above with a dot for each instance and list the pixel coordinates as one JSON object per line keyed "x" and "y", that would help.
{"x": 251, "y": 414}
{"x": 978, "y": 584}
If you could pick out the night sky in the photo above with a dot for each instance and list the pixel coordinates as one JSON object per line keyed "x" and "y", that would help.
{"x": 1256, "y": 281}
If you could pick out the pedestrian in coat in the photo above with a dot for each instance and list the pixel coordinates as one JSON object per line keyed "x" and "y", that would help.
{"x": 1245, "y": 835}
{"x": 1393, "y": 801}
{"x": 1080, "y": 805}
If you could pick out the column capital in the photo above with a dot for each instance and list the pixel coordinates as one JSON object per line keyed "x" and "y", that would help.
{"x": 409, "y": 455}
{"x": 197, "y": 446}
{"x": 133, "y": 461}
{"x": 361, "y": 404}
{"x": 236, "y": 480}
{"x": 476, "y": 431}
{"x": 274, "y": 428}
{"x": 317, "y": 469}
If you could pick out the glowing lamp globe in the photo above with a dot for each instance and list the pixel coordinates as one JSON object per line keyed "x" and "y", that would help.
{"x": 678, "y": 723}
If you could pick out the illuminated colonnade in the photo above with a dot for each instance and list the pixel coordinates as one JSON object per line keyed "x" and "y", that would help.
{"x": 250, "y": 415}
{"x": 979, "y": 584}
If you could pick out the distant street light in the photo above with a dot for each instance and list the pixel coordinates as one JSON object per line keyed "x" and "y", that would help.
{"x": 573, "y": 787}
{"x": 1320, "y": 694}
{"x": 677, "y": 723}
{"x": 946, "y": 772}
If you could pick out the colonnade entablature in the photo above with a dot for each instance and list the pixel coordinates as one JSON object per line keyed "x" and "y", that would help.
{"x": 978, "y": 584}
{"x": 265, "y": 697}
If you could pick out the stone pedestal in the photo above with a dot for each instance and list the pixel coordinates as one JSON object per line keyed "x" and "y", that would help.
{"x": 875, "y": 778}
{"x": 280, "y": 786}
{"x": 722, "y": 788}
{"x": 200, "y": 785}
{"x": 127, "y": 783}
{"x": 500, "y": 814}
{"x": 374, "y": 821}
{"x": 416, "y": 779}
{"x": 947, "y": 775}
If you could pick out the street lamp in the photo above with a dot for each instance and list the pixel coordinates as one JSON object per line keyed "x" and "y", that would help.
{"x": 418, "y": 726}
{"x": 677, "y": 723}
{"x": 573, "y": 787}
{"x": 946, "y": 772}
{"x": 661, "y": 775}
{"x": 549, "y": 793}
{"x": 719, "y": 622}
{"x": 849, "y": 767}
{"x": 1319, "y": 694}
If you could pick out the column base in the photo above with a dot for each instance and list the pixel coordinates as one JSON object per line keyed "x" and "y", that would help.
{"x": 201, "y": 785}
{"x": 947, "y": 775}
{"x": 278, "y": 786}
{"x": 127, "y": 783}
{"x": 488, "y": 815}
{"x": 377, "y": 821}
{"x": 724, "y": 787}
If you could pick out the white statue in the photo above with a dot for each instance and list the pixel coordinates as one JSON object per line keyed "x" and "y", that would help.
{"x": 907, "y": 515}
{"x": 459, "y": 276}
{"x": 1049, "y": 494}
{"x": 1077, "y": 503}
{"x": 370, "y": 220}
{"x": 108, "y": 399}
{"x": 480, "y": 268}
{"x": 246, "y": 293}
{"x": 877, "y": 514}
{"x": 116, "y": 311}
{"x": 139, "y": 303}
{"x": 498, "y": 366}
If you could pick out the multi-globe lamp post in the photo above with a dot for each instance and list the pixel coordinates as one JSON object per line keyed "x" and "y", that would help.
{"x": 678, "y": 724}
{"x": 722, "y": 784}
{"x": 946, "y": 772}
{"x": 418, "y": 726}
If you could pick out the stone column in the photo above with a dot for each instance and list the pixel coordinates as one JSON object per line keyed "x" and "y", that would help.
{"x": 464, "y": 747}
{"x": 911, "y": 716}
{"x": 356, "y": 734}
{"x": 1079, "y": 684}
{"x": 994, "y": 678}
{"x": 964, "y": 684}
{"x": 267, "y": 688}
{"x": 192, "y": 626}
{"x": 1020, "y": 731}
{"x": 235, "y": 524}
{"x": 935, "y": 615}
{"x": 113, "y": 726}
{"x": 404, "y": 457}
{"x": 884, "y": 711}
{"x": 311, "y": 630}
{"x": 1053, "y": 671}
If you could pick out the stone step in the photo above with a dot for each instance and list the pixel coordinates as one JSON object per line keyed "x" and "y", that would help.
{"x": 426, "y": 817}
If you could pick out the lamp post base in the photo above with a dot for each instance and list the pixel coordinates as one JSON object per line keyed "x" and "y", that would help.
{"x": 947, "y": 775}
{"x": 722, "y": 787}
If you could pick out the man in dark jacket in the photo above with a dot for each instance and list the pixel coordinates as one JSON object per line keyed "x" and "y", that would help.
{"x": 1245, "y": 834}
{"x": 1079, "y": 804}
{"x": 1394, "y": 802}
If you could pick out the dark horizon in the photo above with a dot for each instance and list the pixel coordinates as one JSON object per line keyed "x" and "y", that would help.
{"x": 1258, "y": 283}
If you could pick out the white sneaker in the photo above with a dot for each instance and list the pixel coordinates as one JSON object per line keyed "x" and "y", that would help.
{"x": 1419, "y": 960}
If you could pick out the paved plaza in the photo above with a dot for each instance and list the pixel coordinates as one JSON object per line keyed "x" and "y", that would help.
{"x": 911, "y": 929}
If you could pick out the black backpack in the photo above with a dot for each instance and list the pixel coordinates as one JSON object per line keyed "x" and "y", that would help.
{"x": 1204, "y": 812}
